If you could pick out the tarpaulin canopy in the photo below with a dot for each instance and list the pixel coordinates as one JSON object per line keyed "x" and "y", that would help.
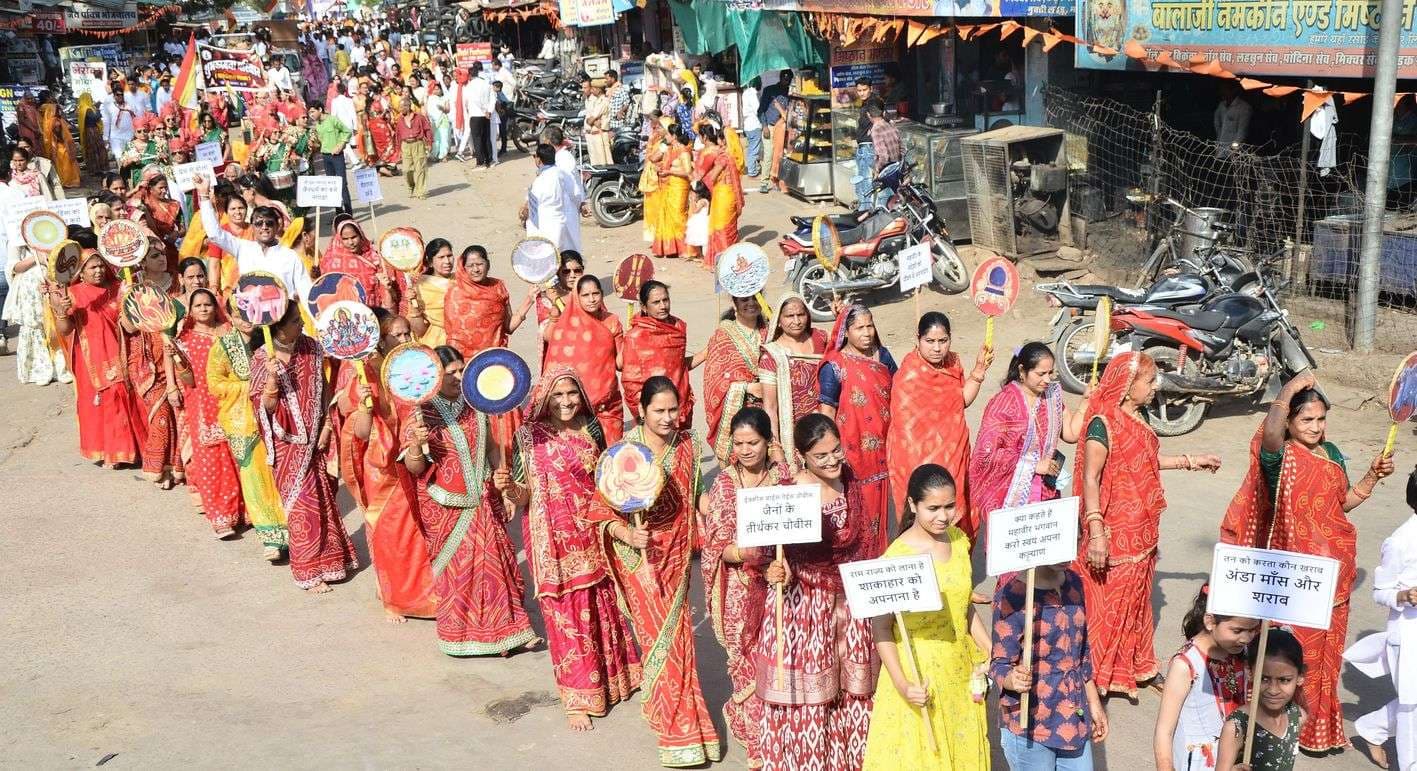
{"x": 766, "y": 40}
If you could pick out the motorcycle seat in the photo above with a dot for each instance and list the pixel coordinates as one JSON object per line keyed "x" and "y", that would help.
{"x": 866, "y": 230}
{"x": 841, "y": 221}
{"x": 1117, "y": 293}
{"x": 1206, "y": 321}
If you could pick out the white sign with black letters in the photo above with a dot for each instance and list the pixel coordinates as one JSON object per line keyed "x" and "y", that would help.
{"x": 1025, "y": 537}
{"x": 209, "y": 152}
{"x": 1283, "y": 586}
{"x": 185, "y": 175}
{"x": 780, "y": 514}
{"x": 319, "y": 192}
{"x": 366, "y": 185}
{"x": 914, "y": 267}
{"x": 75, "y": 211}
{"x": 891, "y": 585}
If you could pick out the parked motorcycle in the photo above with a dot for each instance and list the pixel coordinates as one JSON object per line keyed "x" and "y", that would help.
{"x": 869, "y": 245}
{"x": 614, "y": 193}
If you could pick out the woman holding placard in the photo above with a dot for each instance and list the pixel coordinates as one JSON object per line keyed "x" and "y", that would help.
{"x": 928, "y": 397}
{"x": 788, "y": 369}
{"x": 588, "y": 338}
{"x": 593, "y": 655}
{"x": 1122, "y": 503}
{"x": 657, "y": 344}
{"x": 1296, "y": 497}
{"x": 947, "y": 658}
{"x": 731, "y": 371}
{"x": 475, "y": 573}
{"x": 734, "y": 589}
{"x": 651, "y": 563}
{"x": 211, "y": 468}
{"x": 288, "y": 388}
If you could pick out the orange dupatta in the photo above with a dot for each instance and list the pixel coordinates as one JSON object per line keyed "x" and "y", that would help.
{"x": 587, "y": 344}
{"x": 927, "y": 426}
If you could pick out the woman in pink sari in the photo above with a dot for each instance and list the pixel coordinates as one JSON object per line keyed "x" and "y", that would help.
{"x": 788, "y": 370}
{"x": 593, "y": 655}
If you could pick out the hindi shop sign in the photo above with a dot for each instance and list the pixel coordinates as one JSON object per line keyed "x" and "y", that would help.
{"x": 92, "y": 18}
{"x": 366, "y": 185}
{"x": 1283, "y": 586}
{"x": 228, "y": 68}
{"x": 319, "y": 192}
{"x": 781, "y": 514}
{"x": 1025, "y": 537}
{"x": 891, "y": 585}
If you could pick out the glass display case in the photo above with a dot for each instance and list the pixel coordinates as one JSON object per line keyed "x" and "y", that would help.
{"x": 807, "y": 159}
{"x": 940, "y": 169}
{"x": 845, "y": 115}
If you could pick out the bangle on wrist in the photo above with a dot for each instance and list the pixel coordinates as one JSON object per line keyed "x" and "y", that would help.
{"x": 1362, "y": 496}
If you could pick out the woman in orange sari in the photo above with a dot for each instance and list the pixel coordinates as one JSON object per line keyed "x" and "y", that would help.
{"x": 1122, "y": 501}
{"x": 58, "y": 141}
{"x": 350, "y": 251}
{"x": 153, "y": 374}
{"x": 589, "y": 339}
{"x": 731, "y": 371}
{"x": 477, "y": 308}
{"x": 650, "y": 564}
{"x": 1296, "y": 497}
{"x": 928, "y": 398}
{"x": 656, "y": 344}
{"x": 855, "y": 380}
{"x": 719, "y": 173}
{"x": 162, "y": 215}
{"x": 675, "y": 169}
{"x": 111, "y": 422}
{"x": 788, "y": 370}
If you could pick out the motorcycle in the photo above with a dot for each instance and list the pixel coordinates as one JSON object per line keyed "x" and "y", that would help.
{"x": 1233, "y": 345}
{"x": 869, "y": 245}
{"x": 614, "y": 193}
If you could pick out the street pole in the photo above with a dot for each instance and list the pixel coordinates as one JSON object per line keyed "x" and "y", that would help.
{"x": 1375, "y": 194}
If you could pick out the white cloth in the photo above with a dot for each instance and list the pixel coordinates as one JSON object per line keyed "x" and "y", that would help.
{"x": 553, "y": 208}
{"x": 342, "y": 107}
{"x": 163, "y": 96}
{"x": 548, "y": 49}
{"x": 1197, "y": 735}
{"x": 478, "y": 99}
{"x": 566, "y": 162}
{"x": 1381, "y": 654}
{"x": 117, "y": 123}
{"x": 508, "y": 81}
{"x": 251, "y": 257}
{"x": 1232, "y": 123}
{"x": 280, "y": 79}
{"x": 749, "y": 98}
{"x": 1323, "y": 124}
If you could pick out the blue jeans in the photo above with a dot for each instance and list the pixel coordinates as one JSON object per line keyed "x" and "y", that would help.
{"x": 1028, "y": 755}
{"x": 755, "y": 151}
{"x": 865, "y": 175}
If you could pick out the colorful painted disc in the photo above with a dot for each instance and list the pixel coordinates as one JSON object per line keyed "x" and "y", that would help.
{"x": 1402, "y": 394}
{"x": 333, "y": 287}
{"x": 826, "y": 242}
{"x": 43, "y": 230}
{"x": 412, "y": 373}
{"x": 632, "y": 274}
{"x": 496, "y": 381}
{"x": 64, "y": 261}
{"x": 402, "y": 249}
{"x": 347, "y": 330}
{"x": 149, "y": 308}
{"x": 123, "y": 243}
{"x": 994, "y": 287}
{"x": 743, "y": 269}
{"x": 628, "y": 478}
{"x": 260, "y": 298}
{"x": 535, "y": 260}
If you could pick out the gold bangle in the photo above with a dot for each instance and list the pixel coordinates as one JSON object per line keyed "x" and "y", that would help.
{"x": 1362, "y": 496}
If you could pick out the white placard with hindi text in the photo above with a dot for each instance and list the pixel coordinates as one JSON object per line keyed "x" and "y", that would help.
{"x": 891, "y": 585}
{"x": 914, "y": 267}
{"x": 16, "y": 212}
{"x": 1025, "y": 537}
{"x": 780, "y": 514}
{"x": 319, "y": 192}
{"x": 209, "y": 152}
{"x": 366, "y": 185}
{"x": 75, "y": 211}
{"x": 185, "y": 175}
{"x": 1283, "y": 586}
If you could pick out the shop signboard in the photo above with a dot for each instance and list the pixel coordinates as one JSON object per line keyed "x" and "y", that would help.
{"x": 47, "y": 21}
{"x": 111, "y": 54}
{"x": 469, "y": 53}
{"x": 10, "y": 96}
{"x": 1296, "y": 38}
{"x": 587, "y": 13}
{"x": 849, "y": 65}
{"x": 994, "y": 9}
{"x": 230, "y": 68}
{"x": 92, "y": 18}
{"x": 83, "y": 76}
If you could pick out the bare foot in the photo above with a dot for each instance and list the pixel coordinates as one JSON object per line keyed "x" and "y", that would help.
{"x": 271, "y": 554}
{"x": 320, "y": 588}
{"x": 394, "y": 618}
{"x": 579, "y": 723}
{"x": 227, "y": 533}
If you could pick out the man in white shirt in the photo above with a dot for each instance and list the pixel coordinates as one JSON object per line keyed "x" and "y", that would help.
{"x": 480, "y": 102}
{"x": 279, "y": 75}
{"x": 565, "y": 159}
{"x": 136, "y": 100}
{"x": 503, "y": 75}
{"x": 753, "y": 129}
{"x": 342, "y": 107}
{"x": 552, "y": 208}
{"x": 358, "y": 54}
{"x": 265, "y": 254}
{"x": 164, "y": 93}
{"x": 117, "y": 123}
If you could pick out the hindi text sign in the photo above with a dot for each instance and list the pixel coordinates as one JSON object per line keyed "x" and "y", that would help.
{"x": 891, "y": 585}
{"x": 209, "y": 152}
{"x": 185, "y": 175}
{"x": 780, "y": 514}
{"x": 914, "y": 267}
{"x": 1025, "y": 537}
{"x": 1284, "y": 587}
{"x": 366, "y": 185}
{"x": 75, "y": 211}
{"x": 319, "y": 192}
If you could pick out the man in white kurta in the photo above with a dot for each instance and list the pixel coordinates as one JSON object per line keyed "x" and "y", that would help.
{"x": 1393, "y": 651}
{"x": 553, "y": 206}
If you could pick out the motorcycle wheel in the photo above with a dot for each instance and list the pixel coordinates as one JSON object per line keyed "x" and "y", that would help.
{"x": 948, "y": 269}
{"x": 1173, "y": 416}
{"x": 1073, "y": 374}
{"x": 819, "y": 304}
{"x": 610, "y": 207}
{"x": 524, "y": 135}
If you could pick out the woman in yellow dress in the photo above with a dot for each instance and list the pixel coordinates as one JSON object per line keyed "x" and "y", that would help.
{"x": 58, "y": 142}
{"x": 655, "y": 148}
{"x": 426, "y": 317}
{"x": 949, "y": 646}
{"x": 673, "y": 218}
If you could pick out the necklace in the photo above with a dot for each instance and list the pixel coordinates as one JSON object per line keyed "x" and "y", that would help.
{"x": 762, "y": 477}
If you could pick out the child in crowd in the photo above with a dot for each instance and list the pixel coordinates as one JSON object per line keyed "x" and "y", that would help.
{"x": 1205, "y": 682}
{"x": 1277, "y": 729}
{"x": 696, "y": 233}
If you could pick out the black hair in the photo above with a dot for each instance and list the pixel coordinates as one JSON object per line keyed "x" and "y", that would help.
{"x": 754, "y": 418}
{"x": 677, "y": 132}
{"x": 1412, "y": 491}
{"x": 553, "y": 135}
{"x": 710, "y": 133}
{"x": 732, "y": 313}
{"x": 1299, "y": 400}
{"x": 110, "y": 177}
{"x": 546, "y": 154}
{"x": 28, "y": 156}
{"x": 1026, "y": 360}
{"x": 655, "y": 385}
{"x": 216, "y": 302}
{"x": 474, "y": 249}
{"x": 646, "y": 288}
{"x": 431, "y": 248}
{"x": 571, "y": 255}
{"x": 589, "y": 279}
{"x": 863, "y": 81}
{"x": 925, "y": 478}
{"x": 810, "y": 429}
{"x": 266, "y": 211}
{"x": 686, "y": 94}
{"x": 929, "y": 321}
{"x": 1194, "y": 622}
{"x": 700, "y": 189}
{"x": 188, "y": 262}
{"x": 1284, "y": 645}
{"x": 448, "y": 354}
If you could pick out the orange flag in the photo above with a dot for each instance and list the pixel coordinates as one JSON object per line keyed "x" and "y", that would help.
{"x": 1009, "y": 27}
{"x": 1349, "y": 97}
{"x": 1029, "y": 34}
{"x": 1281, "y": 90}
{"x": 1164, "y": 58}
{"x": 1313, "y": 100}
{"x": 1250, "y": 84}
{"x": 1104, "y": 50}
{"x": 1211, "y": 67}
{"x": 1134, "y": 50}
{"x": 1051, "y": 41}
{"x": 932, "y": 32}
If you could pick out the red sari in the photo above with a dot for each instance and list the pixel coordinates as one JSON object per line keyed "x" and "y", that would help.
{"x": 860, "y": 390}
{"x": 587, "y": 344}
{"x": 654, "y": 347}
{"x": 1120, "y": 623}
{"x": 161, "y": 450}
{"x": 593, "y": 654}
{"x": 731, "y": 367}
{"x": 475, "y": 316}
{"x": 362, "y": 263}
{"x": 1011, "y": 441}
{"x": 111, "y": 422}
{"x": 927, "y": 426}
{"x": 1305, "y": 515}
{"x": 384, "y": 150}
{"x": 320, "y": 548}
{"x": 212, "y": 469}
{"x": 657, "y": 593}
{"x": 791, "y": 376}
{"x": 475, "y": 575}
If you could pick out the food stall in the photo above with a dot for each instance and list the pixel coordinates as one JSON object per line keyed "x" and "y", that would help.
{"x": 807, "y": 160}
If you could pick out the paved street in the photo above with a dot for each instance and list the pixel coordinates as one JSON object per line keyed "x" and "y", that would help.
{"x": 128, "y": 631}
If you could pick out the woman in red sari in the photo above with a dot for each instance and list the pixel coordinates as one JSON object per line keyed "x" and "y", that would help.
{"x": 153, "y": 374}
{"x": 657, "y": 344}
{"x": 731, "y": 371}
{"x": 552, "y": 301}
{"x": 588, "y": 339}
{"x": 855, "y": 385}
{"x": 161, "y": 214}
{"x": 370, "y": 442}
{"x": 593, "y": 653}
{"x": 477, "y": 308}
{"x": 650, "y": 564}
{"x": 1122, "y": 502}
{"x": 475, "y": 575}
{"x": 212, "y": 469}
{"x": 290, "y": 397}
{"x": 819, "y": 718}
{"x": 719, "y": 173}
{"x": 351, "y": 252}
{"x": 788, "y": 370}
{"x": 384, "y": 153}
{"x": 1296, "y": 497}
{"x": 733, "y": 581}
{"x": 928, "y": 398}
{"x": 111, "y": 423}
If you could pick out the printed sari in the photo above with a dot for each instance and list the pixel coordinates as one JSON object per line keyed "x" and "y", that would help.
{"x": 653, "y": 347}
{"x": 363, "y": 263}
{"x": 672, "y": 203}
{"x": 475, "y": 575}
{"x": 112, "y": 426}
{"x": 654, "y": 588}
{"x": 587, "y": 344}
{"x": 927, "y": 426}
{"x": 730, "y": 369}
{"x": 593, "y": 654}
{"x": 211, "y": 469}
{"x": 860, "y": 390}
{"x": 1013, "y": 437}
{"x": 1304, "y": 513}
{"x": 148, "y": 374}
{"x": 320, "y": 548}
{"x": 475, "y": 313}
{"x": 790, "y": 377}
{"x": 720, "y": 175}
{"x": 1120, "y": 623}
{"x": 228, "y": 373}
